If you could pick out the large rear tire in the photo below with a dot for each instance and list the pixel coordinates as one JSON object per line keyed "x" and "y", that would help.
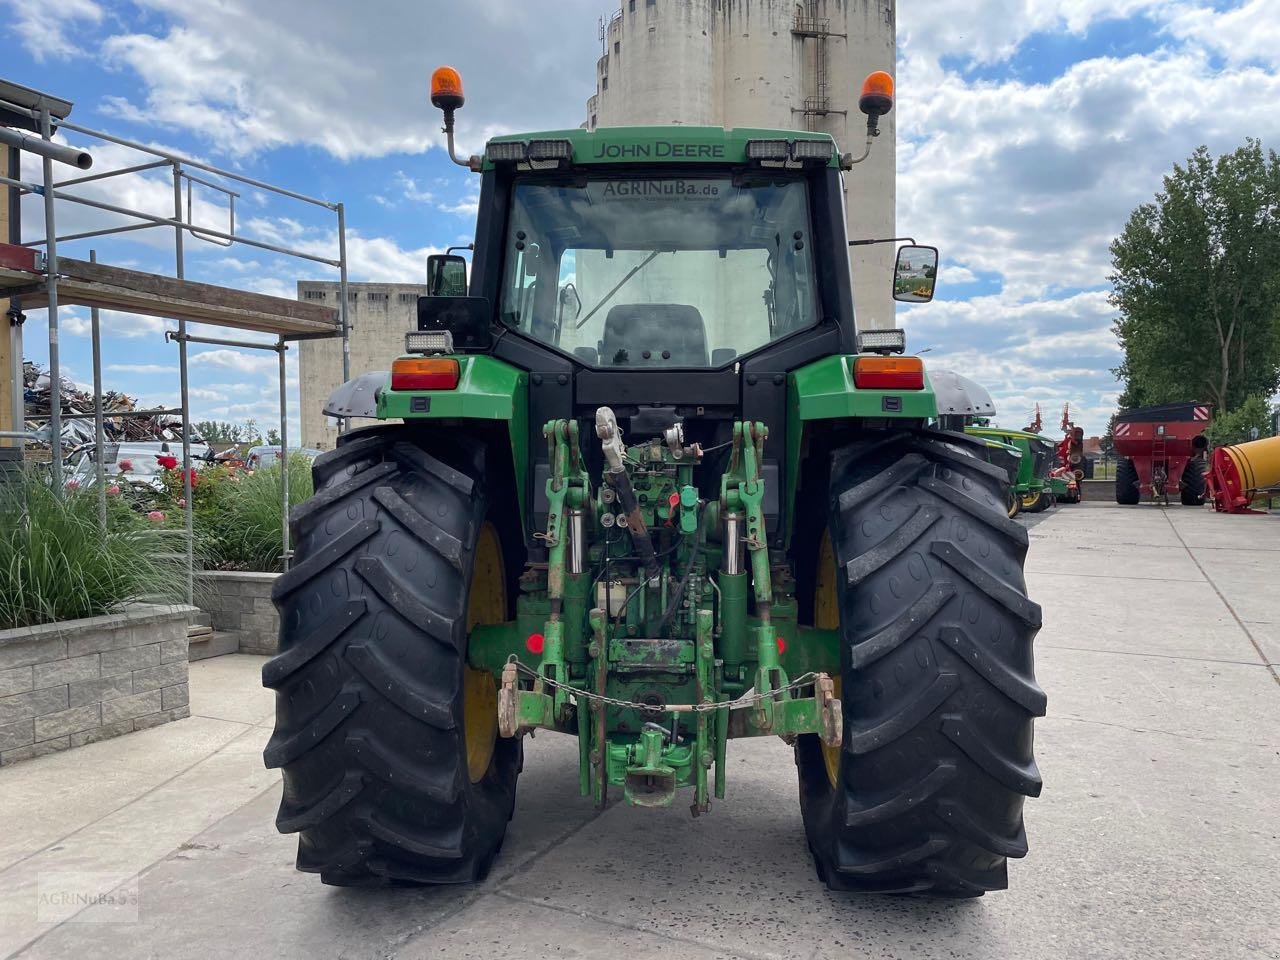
{"x": 387, "y": 739}
{"x": 1192, "y": 487}
{"x": 1127, "y": 489}
{"x": 926, "y": 791}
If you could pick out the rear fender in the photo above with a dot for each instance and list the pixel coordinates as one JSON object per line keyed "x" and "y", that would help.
{"x": 823, "y": 396}
{"x": 488, "y": 390}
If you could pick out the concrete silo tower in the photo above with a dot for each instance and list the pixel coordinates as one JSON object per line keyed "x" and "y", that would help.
{"x": 765, "y": 63}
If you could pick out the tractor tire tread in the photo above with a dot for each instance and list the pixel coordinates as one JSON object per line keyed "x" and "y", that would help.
{"x": 369, "y": 716}
{"x": 939, "y": 692}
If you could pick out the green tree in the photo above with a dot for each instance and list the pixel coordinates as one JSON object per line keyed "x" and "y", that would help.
{"x": 1249, "y": 421}
{"x": 1196, "y": 281}
{"x": 218, "y": 431}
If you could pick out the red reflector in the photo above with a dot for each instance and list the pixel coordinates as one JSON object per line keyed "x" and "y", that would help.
{"x": 888, "y": 373}
{"x": 782, "y": 645}
{"x": 535, "y": 643}
{"x": 424, "y": 373}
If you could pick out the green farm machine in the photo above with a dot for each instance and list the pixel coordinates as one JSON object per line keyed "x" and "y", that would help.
{"x": 640, "y": 481}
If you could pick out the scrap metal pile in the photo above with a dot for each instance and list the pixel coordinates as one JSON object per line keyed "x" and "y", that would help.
{"x": 119, "y": 423}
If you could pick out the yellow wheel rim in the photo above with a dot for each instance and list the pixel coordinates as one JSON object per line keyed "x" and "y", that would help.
{"x": 1029, "y": 500}
{"x": 826, "y": 616}
{"x": 487, "y": 604}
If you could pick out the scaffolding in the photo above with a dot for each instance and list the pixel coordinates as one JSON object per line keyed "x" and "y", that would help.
{"x": 818, "y": 103}
{"x": 50, "y": 280}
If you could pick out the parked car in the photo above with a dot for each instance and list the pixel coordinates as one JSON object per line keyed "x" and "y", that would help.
{"x": 139, "y": 464}
{"x": 265, "y": 456}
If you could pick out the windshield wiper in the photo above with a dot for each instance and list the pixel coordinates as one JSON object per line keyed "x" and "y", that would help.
{"x": 609, "y": 296}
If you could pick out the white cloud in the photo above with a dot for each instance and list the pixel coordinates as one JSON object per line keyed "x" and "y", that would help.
{"x": 354, "y": 81}
{"x": 150, "y": 369}
{"x": 44, "y": 27}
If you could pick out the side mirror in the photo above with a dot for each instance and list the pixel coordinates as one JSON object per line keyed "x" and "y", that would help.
{"x": 446, "y": 275}
{"x": 916, "y": 274}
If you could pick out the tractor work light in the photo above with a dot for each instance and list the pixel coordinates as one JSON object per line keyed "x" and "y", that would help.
{"x": 416, "y": 373}
{"x": 888, "y": 373}
{"x": 550, "y": 150}
{"x": 428, "y": 341}
{"x": 767, "y": 150}
{"x": 506, "y": 151}
{"x": 812, "y": 150}
{"x": 881, "y": 341}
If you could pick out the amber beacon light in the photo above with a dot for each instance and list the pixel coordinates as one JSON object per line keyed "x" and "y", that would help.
{"x": 446, "y": 89}
{"x": 877, "y": 94}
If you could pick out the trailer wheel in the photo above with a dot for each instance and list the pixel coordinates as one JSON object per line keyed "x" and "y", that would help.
{"x": 921, "y": 570}
{"x": 387, "y": 739}
{"x": 1192, "y": 487}
{"x": 1127, "y": 490}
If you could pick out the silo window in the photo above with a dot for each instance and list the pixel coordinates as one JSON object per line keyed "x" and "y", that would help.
{"x": 631, "y": 6}
{"x": 617, "y": 46}
{"x": 604, "y": 83}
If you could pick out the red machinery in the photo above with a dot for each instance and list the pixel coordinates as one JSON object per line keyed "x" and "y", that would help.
{"x": 1238, "y": 473}
{"x": 1070, "y": 454}
{"x": 1161, "y": 450}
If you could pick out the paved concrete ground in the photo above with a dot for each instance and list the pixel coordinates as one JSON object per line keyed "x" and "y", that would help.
{"x": 1156, "y": 835}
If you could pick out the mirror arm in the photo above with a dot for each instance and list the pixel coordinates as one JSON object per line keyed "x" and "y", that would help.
{"x": 865, "y": 243}
{"x": 472, "y": 163}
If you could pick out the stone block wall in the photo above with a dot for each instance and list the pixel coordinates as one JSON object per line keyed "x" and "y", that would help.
{"x": 71, "y": 683}
{"x": 240, "y": 602}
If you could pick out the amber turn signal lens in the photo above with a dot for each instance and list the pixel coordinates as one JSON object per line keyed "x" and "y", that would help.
{"x": 888, "y": 373}
{"x": 446, "y": 88}
{"x": 428, "y": 373}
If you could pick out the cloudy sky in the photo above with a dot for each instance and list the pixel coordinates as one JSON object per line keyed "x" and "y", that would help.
{"x": 1027, "y": 132}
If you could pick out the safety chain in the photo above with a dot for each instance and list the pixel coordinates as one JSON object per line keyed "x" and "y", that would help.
{"x": 742, "y": 703}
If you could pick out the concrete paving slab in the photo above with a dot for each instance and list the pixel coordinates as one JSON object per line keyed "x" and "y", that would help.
{"x": 1267, "y": 637}
{"x": 44, "y": 801}
{"x": 1131, "y": 561}
{"x": 502, "y": 926}
{"x": 226, "y": 689}
{"x": 261, "y": 906}
{"x": 1190, "y": 620}
{"x": 1204, "y": 529}
{"x": 1214, "y": 702}
{"x": 129, "y": 840}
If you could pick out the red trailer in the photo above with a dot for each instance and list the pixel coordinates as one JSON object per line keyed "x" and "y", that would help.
{"x": 1161, "y": 450}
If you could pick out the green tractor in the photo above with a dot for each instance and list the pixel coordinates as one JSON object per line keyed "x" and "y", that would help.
{"x": 1033, "y": 490}
{"x": 641, "y": 482}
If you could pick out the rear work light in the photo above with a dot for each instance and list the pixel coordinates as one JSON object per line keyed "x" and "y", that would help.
{"x": 550, "y": 150}
{"x": 424, "y": 373}
{"x": 888, "y": 373}
{"x": 881, "y": 341}
{"x": 766, "y": 149}
{"x": 506, "y": 151}
{"x": 428, "y": 341}
{"x": 796, "y": 150}
{"x": 813, "y": 150}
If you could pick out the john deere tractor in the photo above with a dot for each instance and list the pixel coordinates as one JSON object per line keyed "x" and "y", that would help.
{"x": 639, "y": 480}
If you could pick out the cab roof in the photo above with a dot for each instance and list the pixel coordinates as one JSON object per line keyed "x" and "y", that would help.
{"x": 665, "y": 144}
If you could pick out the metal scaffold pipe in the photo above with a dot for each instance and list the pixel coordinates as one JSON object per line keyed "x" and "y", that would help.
{"x": 51, "y": 286}
{"x": 46, "y": 148}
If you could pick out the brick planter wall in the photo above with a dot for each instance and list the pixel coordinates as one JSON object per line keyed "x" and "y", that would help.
{"x": 71, "y": 683}
{"x": 240, "y": 602}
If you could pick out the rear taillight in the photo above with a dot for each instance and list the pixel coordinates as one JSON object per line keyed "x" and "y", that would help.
{"x": 888, "y": 373}
{"x": 425, "y": 373}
